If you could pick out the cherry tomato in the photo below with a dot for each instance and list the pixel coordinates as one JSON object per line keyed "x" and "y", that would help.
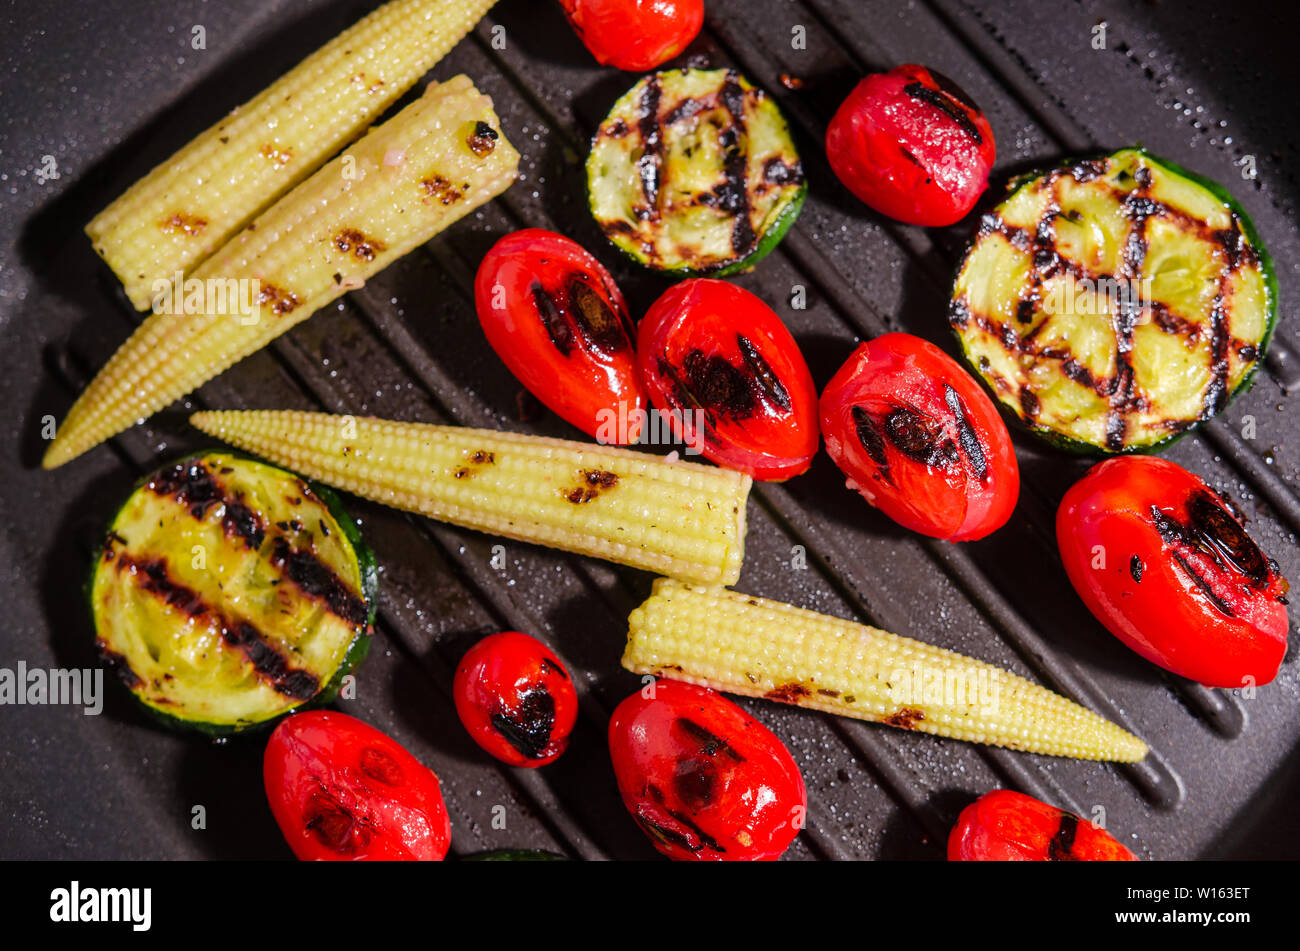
{"x": 912, "y": 145}
{"x": 704, "y": 779}
{"x": 712, "y": 353}
{"x": 1006, "y": 826}
{"x": 635, "y": 35}
{"x": 559, "y": 323}
{"x": 1167, "y": 567}
{"x": 341, "y": 790}
{"x": 515, "y": 699}
{"x": 920, "y": 440}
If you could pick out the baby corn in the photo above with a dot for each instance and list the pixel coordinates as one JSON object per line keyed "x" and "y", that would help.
{"x": 405, "y": 181}
{"x": 759, "y": 648}
{"x": 678, "y": 519}
{"x": 189, "y": 206}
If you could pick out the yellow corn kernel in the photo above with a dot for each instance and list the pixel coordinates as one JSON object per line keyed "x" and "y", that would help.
{"x": 404, "y": 182}
{"x": 679, "y": 519}
{"x": 758, "y": 648}
{"x": 192, "y": 204}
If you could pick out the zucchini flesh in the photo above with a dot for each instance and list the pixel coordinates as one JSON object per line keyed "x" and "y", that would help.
{"x": 1115, "y": 303}
{"x": 229, "y": 592}
{"x": 694, "y": 171}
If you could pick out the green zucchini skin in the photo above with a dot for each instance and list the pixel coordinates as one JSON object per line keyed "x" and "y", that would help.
{"x": 367, "y": 577}
{"x": 680, "y": 235}
{"x": 1073, "y": 446}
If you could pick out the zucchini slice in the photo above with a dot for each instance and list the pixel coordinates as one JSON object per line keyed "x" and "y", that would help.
{"x": 1114, "y": 303}
{"x": 694, "y": 171}
{"x": 229, "y": 592}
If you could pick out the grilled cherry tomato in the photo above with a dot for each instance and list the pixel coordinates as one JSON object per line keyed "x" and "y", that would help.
{"x": 1166, "y": 566}
{"x": 341, "y": 790}
{"x": 515, "y": 699}
{"x": 714, "y": 353}
{"x": 1006, "y": 826}
{"x": 920, "y": 440}
{"x": 912, "y": 145}
{"x": 704, "y": 779}
{"x": 635, "y": 34}
{"x": 559, "y": 323}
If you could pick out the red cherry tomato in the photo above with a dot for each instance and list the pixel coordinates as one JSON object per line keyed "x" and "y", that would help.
{"x": 704, "y": 779}
{"x": 1006, "y": 826}
{"x": 516, "y": 699}
{"x": 920, "y": 440}
{"x": 342, "y": 790}
{"x": 1166, "y": 566}
{"x": 559, "y": 323}
{"x": 912, "y": 145}
{"x": 635, "y": 35}
{"x": 713, "y": 352}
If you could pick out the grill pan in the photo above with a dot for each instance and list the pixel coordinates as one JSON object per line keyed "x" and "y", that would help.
{"x": 110, "y": 88}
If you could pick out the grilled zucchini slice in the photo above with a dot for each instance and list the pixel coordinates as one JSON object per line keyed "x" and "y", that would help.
{"x": 694, "y": 171}
{"x": 229, "y": 592}
{"x": 1114, "y": 303}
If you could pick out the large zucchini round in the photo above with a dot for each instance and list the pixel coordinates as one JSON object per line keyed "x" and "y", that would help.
{"x": 1114, "y": 303}
{"x": 694, "y": 172}
{"x": 229, "y": 592}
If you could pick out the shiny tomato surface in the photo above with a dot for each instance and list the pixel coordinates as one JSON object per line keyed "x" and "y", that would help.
{"x": 732, "y": 377}
{"x": 1165, "y": 564}
{"x": 704, "y": 779}
{"x": 516, "y": 699}
{"x": 635, "y": 35}
{"x": 342, "y": 790}
{"x": 558, "y": 321}
{"x": 919, "y": 438}
{"x": 912, "y": 145}
{"x": 1006, "y": 826}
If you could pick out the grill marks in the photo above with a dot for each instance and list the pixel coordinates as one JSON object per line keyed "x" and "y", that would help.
{"x": 723, "y": 390}
{"x": 311, "y": 576}
{"x": 528, "y": 728}
{"x": 650, "y": 165}
{"x": 154, "y": 577}
{"x": 736, "y": 166}
{"x": 923, "y": 438}
{"x": 1061, "y": 847}
{"x": 946, "y": 103}
{"x": 1118, "y": 388}
{"x": 579, "y": 312}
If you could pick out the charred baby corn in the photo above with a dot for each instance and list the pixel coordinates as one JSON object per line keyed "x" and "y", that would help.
{"x": 439, "y": 158}
{"x": 745, "y": 645}
{"x": 679, "y": 519}
{"x": 189, "y": 206}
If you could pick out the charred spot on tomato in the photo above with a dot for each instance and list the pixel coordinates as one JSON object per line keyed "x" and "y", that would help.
{"x": 871, "y": 438}
{"x": 553, "y": 667}
{"x": 920, "y": 438}
{"x": 1135, "y": 568}
{"x": 334, "y": 825}
{"x": 1221, "y": 533}
{"x": 483, "y": 139}
{"x": 763, "y": 374}
{"x": 948, "y": 105}
{"x": 695, "y": 780}
{"x": 905, "y": 718}
{"x": 359, "y": 245}
{"x": 710, "y": 744}
{"x": 528, "y": 727}
{"x": 966, "y": 438}
{"x": 599, "y": 323}
{"x": 552, "y": 317}
{"x": 1061, "y": 847}
{"x": 666, "y": 834}
{"x": 380, "y": 767}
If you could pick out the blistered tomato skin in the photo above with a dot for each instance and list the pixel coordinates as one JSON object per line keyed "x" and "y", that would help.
{"x": 516, "y": 699}
{"x": 1006, "y": 826}
{"x": 712, "y": 353}
{"x": 703, "y": 779}
{"x": 343, "y": 791}
{"x": 920, "y": 440}
{"x": 912, "y": 145}
{"x": 558, "y": 321}
{"x": 635, "y": 35}
{"x": 1165, "y": 565}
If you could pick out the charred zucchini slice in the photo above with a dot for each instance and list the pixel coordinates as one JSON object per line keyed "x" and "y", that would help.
{"x": 1114, "y": 303}
{"x": 693, "y": 171}
{"x": 229, "y": 592}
